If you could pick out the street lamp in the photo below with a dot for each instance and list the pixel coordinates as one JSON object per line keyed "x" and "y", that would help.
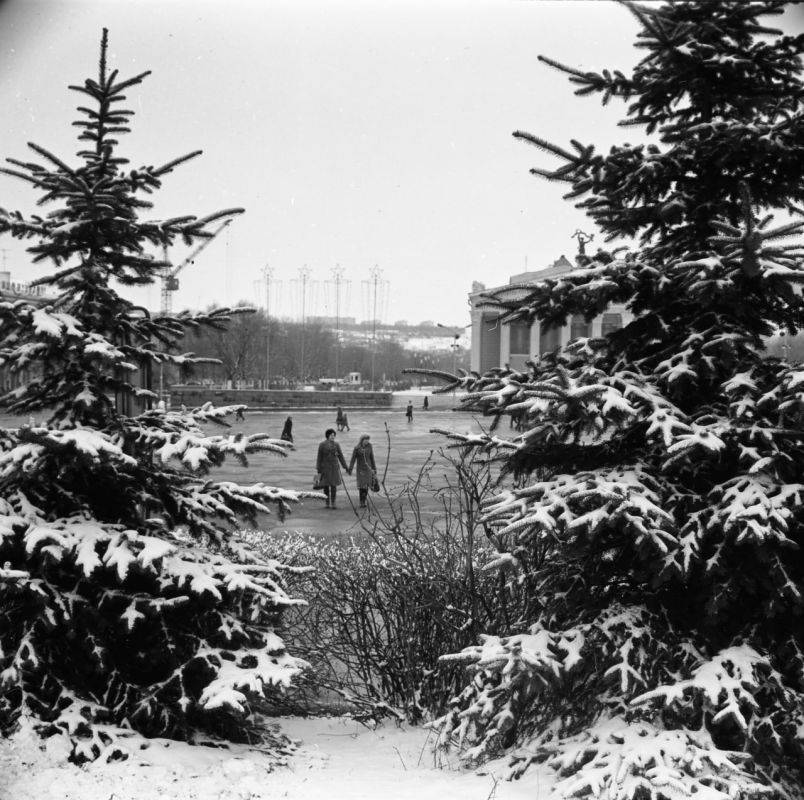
{"x": 456, "y": 335}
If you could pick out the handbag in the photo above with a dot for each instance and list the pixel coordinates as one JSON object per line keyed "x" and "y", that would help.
{"x": 317, "y": 481}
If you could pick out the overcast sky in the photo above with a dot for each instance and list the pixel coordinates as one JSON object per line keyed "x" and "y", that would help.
{"x": 354, "y": 133}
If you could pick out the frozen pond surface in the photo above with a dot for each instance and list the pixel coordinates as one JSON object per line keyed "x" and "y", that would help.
{"x": 400, "y": 451}
{"x": 411, "y": 444}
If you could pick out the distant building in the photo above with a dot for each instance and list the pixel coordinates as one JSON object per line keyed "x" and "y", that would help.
{"x": 15, "y": 290}
{"x": 495, "y": 345}
{"x": 39, "y": 296}
{"x": 441, "y": 344}
{"x": 427, "y": 336}
{"x": 351, "y": 379}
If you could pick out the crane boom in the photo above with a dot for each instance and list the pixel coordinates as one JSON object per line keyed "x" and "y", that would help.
{"x": 170, "y": 283}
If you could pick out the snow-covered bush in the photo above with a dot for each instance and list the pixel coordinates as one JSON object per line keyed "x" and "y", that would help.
{"x": 126, "y": 601}
{"x": 657, "y": 508}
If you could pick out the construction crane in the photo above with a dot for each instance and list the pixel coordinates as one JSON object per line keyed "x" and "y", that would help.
{"x": 170, "y": 283}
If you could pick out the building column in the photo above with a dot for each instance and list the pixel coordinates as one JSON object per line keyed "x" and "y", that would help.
{"x": 566, "y": 332}
{"x": 505, "y": 344}
{"x": 535, "y": 335}
{"x": 476, "y": 316}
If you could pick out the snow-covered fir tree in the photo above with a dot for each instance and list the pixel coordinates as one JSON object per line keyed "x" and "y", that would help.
{"x": 655, "y": 508}
{"x": 127, "y": 602}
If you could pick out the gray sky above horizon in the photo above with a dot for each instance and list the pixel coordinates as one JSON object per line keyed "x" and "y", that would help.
{"x": 354, "y": 133}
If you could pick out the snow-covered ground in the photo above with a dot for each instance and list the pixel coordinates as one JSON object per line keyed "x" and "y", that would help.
{"x": 337, "y": 759}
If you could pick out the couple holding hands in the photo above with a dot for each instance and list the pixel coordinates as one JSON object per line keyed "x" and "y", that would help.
{"x": 328, "y": 475}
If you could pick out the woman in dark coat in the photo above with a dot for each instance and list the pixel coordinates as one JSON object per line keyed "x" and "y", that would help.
{"x": 363, "y": 455}
{"x": 326, "y": 465}
{"x": 287, "y": 430}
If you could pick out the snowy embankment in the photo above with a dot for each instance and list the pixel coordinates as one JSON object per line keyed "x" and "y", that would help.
{"x": 337, "y": 759}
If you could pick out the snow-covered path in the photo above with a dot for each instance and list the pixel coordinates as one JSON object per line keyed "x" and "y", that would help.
{"x": 337, "y": 760}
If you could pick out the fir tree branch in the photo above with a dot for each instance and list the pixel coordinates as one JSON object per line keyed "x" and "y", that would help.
{"x": 543, "y": 144}
{"x": 14, "y": 174}
{"x": 165, "y": 168}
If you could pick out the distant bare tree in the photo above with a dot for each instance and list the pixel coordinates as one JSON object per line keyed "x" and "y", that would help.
{"x": 237, "y": 348}
{"x": 242, "y": 351}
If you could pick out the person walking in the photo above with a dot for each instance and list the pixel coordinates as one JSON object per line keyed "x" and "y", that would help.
{"x": 409, "y": 411}
{"x": 326, "y": 465}
{"x": 346, "y": 422}
{"x": 363, "y": 456}
{"x": 239, "y": 415}
{"x": 426, "y": 404}
{"x": 339, "y": 417}
{"x": 287, "y": 430}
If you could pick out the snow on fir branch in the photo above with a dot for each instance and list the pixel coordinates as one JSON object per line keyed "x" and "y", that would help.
{"x": 629, "y": 501}
{"x": 617, "y": 651}
{"x": 127, "y": 601}
{"x": 232, "y": 647}
{"x": 632, "y": 760}
{"x": 655, "y": 473}
{"x": 726, "y": 684}
{"x": 472, "y": 440}
{"x": 616, "y": 752}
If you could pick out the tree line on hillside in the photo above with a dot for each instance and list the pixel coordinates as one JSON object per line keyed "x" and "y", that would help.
{"x": 301, "y": 353}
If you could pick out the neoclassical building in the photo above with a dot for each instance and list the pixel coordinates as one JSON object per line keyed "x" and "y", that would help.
{"x": 495, "y": 345}
{"x": 11, "y": 291}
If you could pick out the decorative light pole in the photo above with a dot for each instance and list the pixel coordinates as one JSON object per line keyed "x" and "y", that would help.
{"x": 376, "y": 275}
{"x": 304, "y": 277}
{"x": 456, "y": 334}
{"x": 337, "y": 279}
{"x": 455, "y": 346}
{"x": 583, "y": 239}
{"x": 267, "y": 274}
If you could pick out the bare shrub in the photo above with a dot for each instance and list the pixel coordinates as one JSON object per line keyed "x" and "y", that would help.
{"x": 385, "y": 604}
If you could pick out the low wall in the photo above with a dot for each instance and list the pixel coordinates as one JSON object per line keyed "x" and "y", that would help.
{"x": 192, "y": 396}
